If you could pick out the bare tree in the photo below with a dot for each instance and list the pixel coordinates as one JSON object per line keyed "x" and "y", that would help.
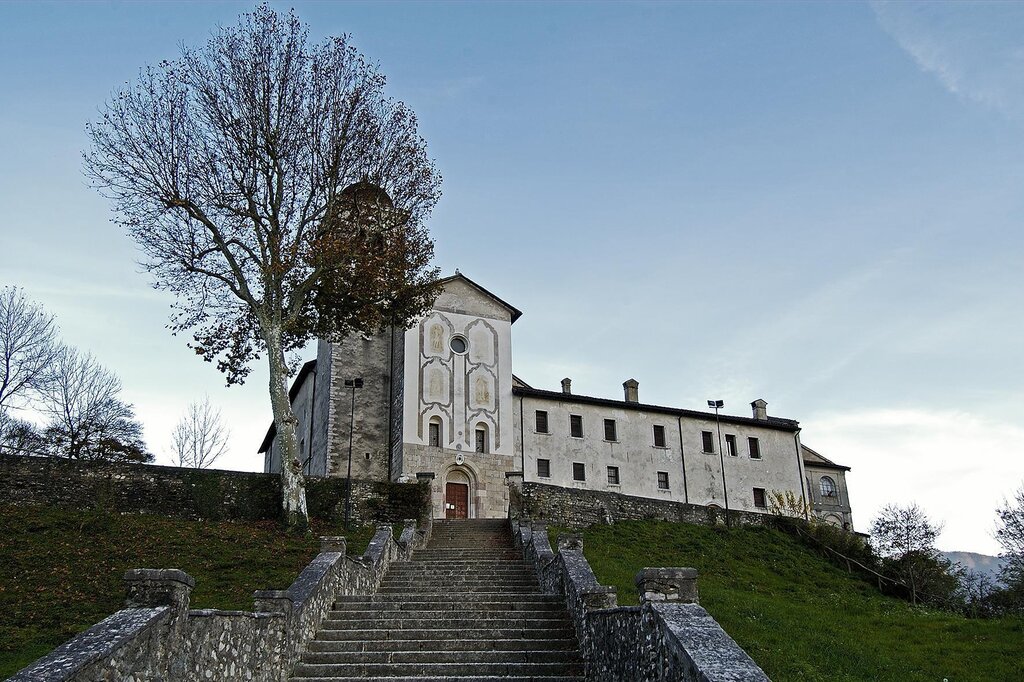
{"x": 87, "y": 418}
{"x": 200, "y": 437}
{"x": 1010, "y": 535}
{"x": 19, "y": 437}
{"x": 278, "y": 193}
{"x": 905, "y": 537}
{"x": 28, "y": 346}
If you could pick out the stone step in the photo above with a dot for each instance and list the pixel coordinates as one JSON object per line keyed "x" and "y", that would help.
{"x": 329, "y": 670}
{"x": 398, "y": 645}
{"x": 345, "y": 609}
{"x": 446, "y": 621}
{"x": 356, "y": 657}
{"x": 446, "y": 678}
{"x": 446, "y": 589}
{"x": 458, "y": 581}
{"x": 434, "y": 565}
{"x": 505, "y": 597}
{"x": 439, "y": 634}
{"x": 463, "y": 571}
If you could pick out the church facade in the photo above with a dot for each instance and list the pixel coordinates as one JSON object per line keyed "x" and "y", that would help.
{"x": 439, "y": 402}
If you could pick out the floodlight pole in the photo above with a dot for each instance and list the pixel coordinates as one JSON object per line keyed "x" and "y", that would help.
{"x": 718, "y": 404}
{"x": 353, "y": 384}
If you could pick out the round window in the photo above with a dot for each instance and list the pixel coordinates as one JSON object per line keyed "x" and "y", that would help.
{"x": 458, "y": 345}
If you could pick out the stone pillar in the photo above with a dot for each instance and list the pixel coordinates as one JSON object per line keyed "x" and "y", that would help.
{"x": 333, "y": 543}
{"x": 151, "y": 587}
{"x": 570, "y": 541}
{"x": 668, "y": 584}
{"x": 170, "y": 587}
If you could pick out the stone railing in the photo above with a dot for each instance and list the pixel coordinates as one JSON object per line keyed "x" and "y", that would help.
{"x": 667, "y": 637}
{"x": 156, "y": 637}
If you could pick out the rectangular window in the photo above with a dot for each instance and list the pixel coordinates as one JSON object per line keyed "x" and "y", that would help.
{"x": 609, "y": 429}
{"x": 707, "y": 441}
{"x": 579, "y": 471}
{"x": 434, "y": 435}
{"x": 544, "y": 468}
{"x": 481, "y": 440}
{"x": 613, "y": 475}
{"x": 542, "y": 421}
{"x": 755, "y": 448}
{"x": 576, "y": 425}
{"x": 662, "y": 480}
{"x": 730, "y": 445}
{"x": 760, "y": 500}
{"x": 659, "y": 436}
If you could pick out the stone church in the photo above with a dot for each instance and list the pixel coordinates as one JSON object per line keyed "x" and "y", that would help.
{"x": 439, "y": 402}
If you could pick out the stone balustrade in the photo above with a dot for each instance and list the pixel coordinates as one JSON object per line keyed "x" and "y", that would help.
{"x": 668, "y": 637}
{"x": 157, "y": 637}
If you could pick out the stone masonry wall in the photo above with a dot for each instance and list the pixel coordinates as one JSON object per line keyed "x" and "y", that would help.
{"x": 669, "y": 637}
{"x": 579, "y": 508}
{"x": 157, "y": 638}
{"x": 195, "y": 494}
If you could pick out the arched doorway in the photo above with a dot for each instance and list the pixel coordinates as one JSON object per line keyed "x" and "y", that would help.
{"x": 456, "y": 495}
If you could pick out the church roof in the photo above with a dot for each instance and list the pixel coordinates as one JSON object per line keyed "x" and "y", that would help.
{"x": 458, "y": 276}
{"x": 300, "y": 379}
{"x": 771, "y": 423}
{"x": 816, "y": 459}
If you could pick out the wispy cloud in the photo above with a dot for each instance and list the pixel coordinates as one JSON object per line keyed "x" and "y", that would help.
{"x": 938, "y": 459}
{"x": 974, "y": 49}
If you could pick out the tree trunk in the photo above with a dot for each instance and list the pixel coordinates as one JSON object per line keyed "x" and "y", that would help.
{"x": 293, "y": 487}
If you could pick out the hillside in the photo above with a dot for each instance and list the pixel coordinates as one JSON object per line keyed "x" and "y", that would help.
{"x": 60, "y": 570}
{"x": 985, "y": 564}
{"x": 800, "y": 617}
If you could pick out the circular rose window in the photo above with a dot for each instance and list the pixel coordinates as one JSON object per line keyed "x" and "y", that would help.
{"x": 459, "y": 345}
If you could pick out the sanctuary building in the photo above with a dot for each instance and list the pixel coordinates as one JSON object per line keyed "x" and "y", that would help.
{"x": 439, "y": 402}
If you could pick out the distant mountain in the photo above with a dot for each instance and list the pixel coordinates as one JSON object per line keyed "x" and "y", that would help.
{"x": 979, "y": 563}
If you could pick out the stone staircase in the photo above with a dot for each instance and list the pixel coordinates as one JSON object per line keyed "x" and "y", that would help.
{"x": 467, "y": 608}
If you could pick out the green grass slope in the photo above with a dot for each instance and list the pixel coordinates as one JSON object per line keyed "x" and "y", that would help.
{"x": 61, "y": 570}
{"x": 800, "y": 617}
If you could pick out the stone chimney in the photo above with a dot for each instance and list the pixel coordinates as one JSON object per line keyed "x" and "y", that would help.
{"x": 760, "y": 409}
{"x": 567, "y": 385}
{"x": 631, "y": 387}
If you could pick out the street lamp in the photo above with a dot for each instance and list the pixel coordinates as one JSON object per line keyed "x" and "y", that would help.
{"x": 717, "y": 405}
{"x": 353, "y": 384}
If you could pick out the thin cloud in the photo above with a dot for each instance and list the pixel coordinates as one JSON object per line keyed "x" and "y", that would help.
{"x": 936, "y": 458}
{"x": 975, "y": 50}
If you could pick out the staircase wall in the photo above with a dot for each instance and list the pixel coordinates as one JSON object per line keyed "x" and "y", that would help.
{"x": 658, "y": 641}
{"x": 158, "y": 638}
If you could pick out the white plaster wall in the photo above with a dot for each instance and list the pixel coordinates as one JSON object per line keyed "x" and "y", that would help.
{"x": 639, "y": 460}
{"x": 463, "y": 391}
{"x": 455, "y": 398}
{"x": 633, "y": 453}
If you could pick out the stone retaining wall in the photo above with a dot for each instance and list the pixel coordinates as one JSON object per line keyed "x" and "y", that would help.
{"x": 579, "y": 508}
{"x": 669, "y": 637}
{"x": 196, "y": 493}
{"x": 157, "y": 638}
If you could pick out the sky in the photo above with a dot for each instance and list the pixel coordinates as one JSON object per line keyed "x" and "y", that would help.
{"x": 818, "y": 204}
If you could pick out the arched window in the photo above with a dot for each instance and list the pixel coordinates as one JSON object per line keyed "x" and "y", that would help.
{"x": 828, "y": 487}
{"x": 434, "y": 432}
{"x": 481, "y": 437}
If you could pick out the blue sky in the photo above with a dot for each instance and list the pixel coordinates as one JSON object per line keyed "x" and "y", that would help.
{"x": 817, "y": 204}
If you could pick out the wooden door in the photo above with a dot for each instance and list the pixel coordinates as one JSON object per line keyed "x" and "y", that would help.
{"x": 456, "y": 498}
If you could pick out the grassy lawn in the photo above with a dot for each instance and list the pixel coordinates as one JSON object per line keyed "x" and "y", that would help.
{"x": 800, "y": 617}
{"x": 61, "y": 570}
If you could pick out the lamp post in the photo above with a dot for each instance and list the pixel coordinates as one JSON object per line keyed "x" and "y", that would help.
{"x": 717, "y": 405}
{"x": 353, "y": 384}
